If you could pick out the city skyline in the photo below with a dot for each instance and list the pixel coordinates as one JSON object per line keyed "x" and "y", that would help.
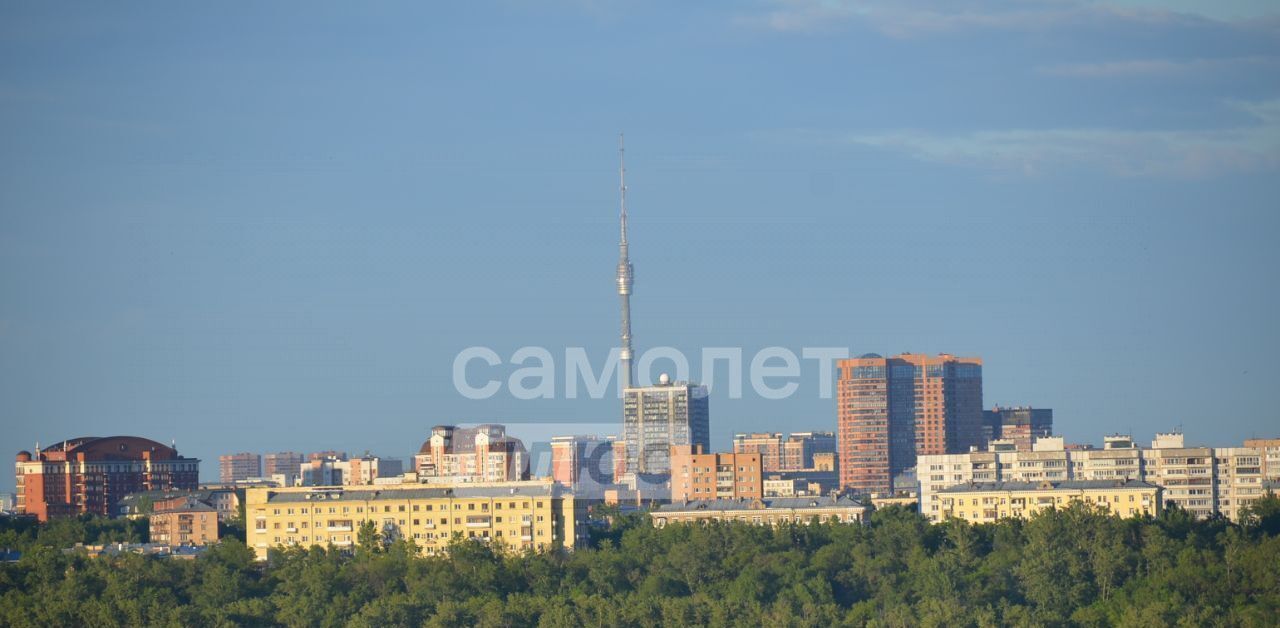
{"x": 232, "y": 245}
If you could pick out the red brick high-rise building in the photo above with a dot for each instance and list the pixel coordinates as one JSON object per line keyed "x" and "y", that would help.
{"x": 892, "y": 409}
{"x": 88, "y": 475}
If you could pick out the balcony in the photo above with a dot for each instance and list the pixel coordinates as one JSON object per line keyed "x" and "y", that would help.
{"x": 339, "y": 528}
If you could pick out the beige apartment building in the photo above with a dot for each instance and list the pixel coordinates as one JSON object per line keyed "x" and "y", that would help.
{"x": 1269, "y": 450}
{"x": 699, "y": 475}
{"x": 774, "y": 511}
{"x": 186, "y": 521}
{"x": 536, "y": 515}
{"x": 988, "y": 502}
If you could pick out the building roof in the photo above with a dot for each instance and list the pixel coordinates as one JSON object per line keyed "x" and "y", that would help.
{"x": 108, "y": 448}
{"x": 190, "y": 504}
{"x": 769, "y": 503}
{"x": 203, "y": 494}
{"x": 976, "y": 487}
{"x": 323, "y": 494}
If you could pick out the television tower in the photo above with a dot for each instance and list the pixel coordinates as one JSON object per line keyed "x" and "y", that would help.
{"x": 624, "y": 273}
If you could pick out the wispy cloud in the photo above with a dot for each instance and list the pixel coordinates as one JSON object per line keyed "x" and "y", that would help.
{"x": 1158, "y": 67}
{"x": 1250, "y": 147}
{"x": 905, "y": 18}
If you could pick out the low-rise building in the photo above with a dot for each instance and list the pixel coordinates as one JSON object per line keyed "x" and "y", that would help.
{"x": 157, "y": 550}
{"x": 991, "y": 501}
{"x": 906, "y": 498}
{"x": 769, "y": 511}
{"x": 534, "y": 515}
{"x": 800, "y": 483}
{"x": 187, "y": 521}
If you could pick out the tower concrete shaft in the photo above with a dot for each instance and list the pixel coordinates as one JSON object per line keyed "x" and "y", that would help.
{"x": 624, "y": 274}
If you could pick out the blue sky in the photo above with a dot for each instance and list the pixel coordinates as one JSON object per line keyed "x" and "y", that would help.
{"x": 273, "y": 227}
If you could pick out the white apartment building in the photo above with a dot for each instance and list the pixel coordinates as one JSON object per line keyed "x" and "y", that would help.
{"x": 1202, "y": 480}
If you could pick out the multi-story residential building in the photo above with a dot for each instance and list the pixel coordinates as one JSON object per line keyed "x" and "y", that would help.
{"x": 619, "y": 459}
{"x": 517, "y": 516}
{"x": 696, "y": 474}
{"x": 583, "y": 464}
{"x": 285, "y": 463}
{"x": 1239, "y": 479}
{"x": 187, "y": 521}
{"x": 483, "y": 453}
{"x": 800, "y": 448}
{"x": 1021, "y": 425}
{"x": 768, "y": 445}
{"x": 889, "y": 410}
{"x": 239, "y": 467}
{"x": 795, "y": 452}
{"x": 1269, "y": 450}
{"x": 654, "y": 418}
{"x": 8, "y": 502}
{"x": 989, "y": 502}
{"x": 335, "y": 471}
{"x": 1119, "y": 459}
{"x": 1185, "y": 473}
{"x": 1204, "y": 481}
{"x": 768, "y": 511}
{"x": 88, "y": 475}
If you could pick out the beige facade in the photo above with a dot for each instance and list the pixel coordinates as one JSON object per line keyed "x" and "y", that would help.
{"x": 187, "y": 522}
{"x": 990, "y": 502}
{"x": 1239, "y": 479}
{"x": 534, "y": 515}
{"x": 1269, "y": 450}
{"x": 800, "y": 510}
{"x": 698, "y": 475}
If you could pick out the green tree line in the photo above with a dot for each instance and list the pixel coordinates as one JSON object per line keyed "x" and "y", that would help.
{"x": 1073, "y": 567}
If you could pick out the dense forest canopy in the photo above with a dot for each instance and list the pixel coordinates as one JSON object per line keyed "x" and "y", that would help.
{"x": 1070, "y": 567}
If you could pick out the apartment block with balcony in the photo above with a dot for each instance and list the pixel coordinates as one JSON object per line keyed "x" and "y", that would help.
{"x": 514, "y": 516}
{"x": 184, "y": 522}
{"x": 1205, "y": 481}
{"x": 770, "y": 511}
{"x": 990, "y": 502}
{"x": 484, "y": 453}
{"x": 891, "y": 410}
{"x": 699, "y": 475}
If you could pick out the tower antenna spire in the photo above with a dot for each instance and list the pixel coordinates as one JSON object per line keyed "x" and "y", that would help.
{"x": 625, "y": 275}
